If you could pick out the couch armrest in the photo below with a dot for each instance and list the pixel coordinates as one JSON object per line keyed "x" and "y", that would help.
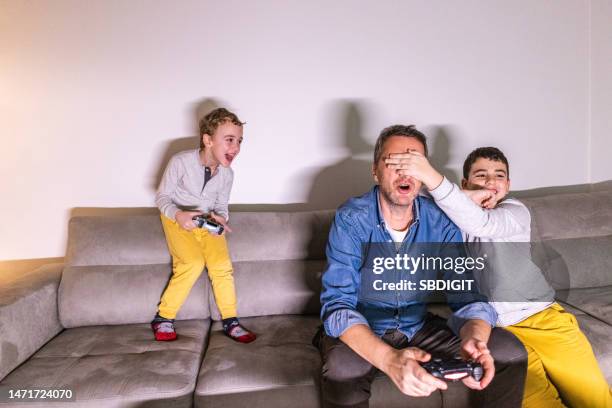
{"x": 28, "y": 314}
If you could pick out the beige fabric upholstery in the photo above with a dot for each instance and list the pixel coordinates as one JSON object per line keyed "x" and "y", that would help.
{"x": 98, "y": 295}
{"x": 117, "y": 269}
{"x": 564, "y": 216}
{"x": 279, "y": 366}
{"x": 275, "y": 287}
{"x": 273, "y": 236}
{"x": 28, "y": 315}
{"x": 116, "y": 240}
{"x": 118, "y": 366}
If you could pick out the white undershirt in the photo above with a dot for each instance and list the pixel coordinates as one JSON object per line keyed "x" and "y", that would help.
{"x": 397, "y": 236}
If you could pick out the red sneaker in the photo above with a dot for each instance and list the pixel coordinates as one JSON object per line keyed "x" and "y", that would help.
{"x": 236, "y": 332}
{"x": 164, "y": 331}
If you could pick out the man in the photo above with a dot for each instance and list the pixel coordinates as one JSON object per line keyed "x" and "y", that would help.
{"x": 363, "y": 335}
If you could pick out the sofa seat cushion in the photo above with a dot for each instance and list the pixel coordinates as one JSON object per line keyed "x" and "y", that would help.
{"x": 279, "y": 369}
{"x": 599, "y": 334}
{"x": 109, "y": 366}
{"x": 596, "y": 302}
{"x": 282, "y": 369}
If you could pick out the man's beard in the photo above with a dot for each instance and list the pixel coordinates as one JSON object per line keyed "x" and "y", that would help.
{"x": 388, "y": 197}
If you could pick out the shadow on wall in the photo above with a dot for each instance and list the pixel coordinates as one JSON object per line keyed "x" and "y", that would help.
{"x": 200, "y": 109}
{"x": 439, "y": 143}
{"x": 351, "y": 175}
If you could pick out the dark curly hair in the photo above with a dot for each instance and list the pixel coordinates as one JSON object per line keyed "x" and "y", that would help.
{"x": 491, "y": 153}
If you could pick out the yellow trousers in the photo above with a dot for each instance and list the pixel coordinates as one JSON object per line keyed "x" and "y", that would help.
{"x": 192, "y": 251}
{"x": 562, "y": 369}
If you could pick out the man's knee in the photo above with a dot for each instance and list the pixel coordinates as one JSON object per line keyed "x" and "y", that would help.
{"x": 346, "y": 377}
{"x": 344, "y": 365}
{"x": 506, "y": 348}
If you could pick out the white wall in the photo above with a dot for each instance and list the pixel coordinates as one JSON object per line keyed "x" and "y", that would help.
{"x": 95, "y": 95}
{"x": 601, "y": 90}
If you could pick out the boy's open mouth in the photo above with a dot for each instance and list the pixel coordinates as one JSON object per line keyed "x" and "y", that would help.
{"x": 229, "y": 157}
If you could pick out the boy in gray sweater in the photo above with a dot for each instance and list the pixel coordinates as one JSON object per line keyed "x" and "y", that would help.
{"x": 550, "y": 334}
{"x": 198, "y": 182}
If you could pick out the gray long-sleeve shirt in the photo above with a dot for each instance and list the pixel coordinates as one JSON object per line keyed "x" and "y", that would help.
{"x": 182, "y": 187}
{"x": 508, "y": 222}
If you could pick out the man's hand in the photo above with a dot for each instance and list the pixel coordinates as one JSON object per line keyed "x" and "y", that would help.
{"x": 414, "y": 164}
{"x": 483, "y": 198}
{"x": 474, "y": 336}
{"x": 184, "y": 219}
{"x": 403, "y": 367}
{"x": 221, "y": 220}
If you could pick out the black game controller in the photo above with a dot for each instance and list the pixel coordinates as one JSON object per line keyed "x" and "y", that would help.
{"x": 204, "y": 221}
{"x": 453, "y": 369}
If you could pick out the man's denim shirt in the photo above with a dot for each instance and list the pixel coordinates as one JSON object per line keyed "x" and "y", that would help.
{"x": 359, "y": 222}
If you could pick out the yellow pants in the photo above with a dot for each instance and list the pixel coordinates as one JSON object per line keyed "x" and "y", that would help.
{"x": 192, "y": 251}
{"x": 562, "y": 368}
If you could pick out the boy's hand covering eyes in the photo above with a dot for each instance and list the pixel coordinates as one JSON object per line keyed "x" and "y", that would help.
{"x": 414, "y": 164}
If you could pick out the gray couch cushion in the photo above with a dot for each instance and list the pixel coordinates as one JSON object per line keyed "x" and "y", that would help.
{"x": 573, "y": 234}
{"x": 596, "y": 302}
{"x": 576, "y": 262}
{"x": 117, "y": 269}
{"x": 139, "y": 239}
{"x": 112, "y": 366}
{"x": 28, "y": 314}
{"x": 116, "y": 240}
{"x": 562, "y": 216}
{"x": 276, "y": 287}
{"x": 278, "y": 369}
{"x": 99, "y": 295}
{"x": 282, "y": 369}
{"x": 277, "y": 236}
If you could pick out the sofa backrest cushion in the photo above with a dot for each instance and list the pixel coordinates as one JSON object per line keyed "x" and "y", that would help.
{"x": 573, "y": 236}
{"x": 118, "y": 266}
{"x": 116, "y": 240}
{"x": 276, "y": 287}
{"x": 116, "y": 270}
{"x": 276, "y": 236}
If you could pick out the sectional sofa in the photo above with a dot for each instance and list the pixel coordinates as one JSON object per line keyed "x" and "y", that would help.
{"x": 84, "y": 325}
